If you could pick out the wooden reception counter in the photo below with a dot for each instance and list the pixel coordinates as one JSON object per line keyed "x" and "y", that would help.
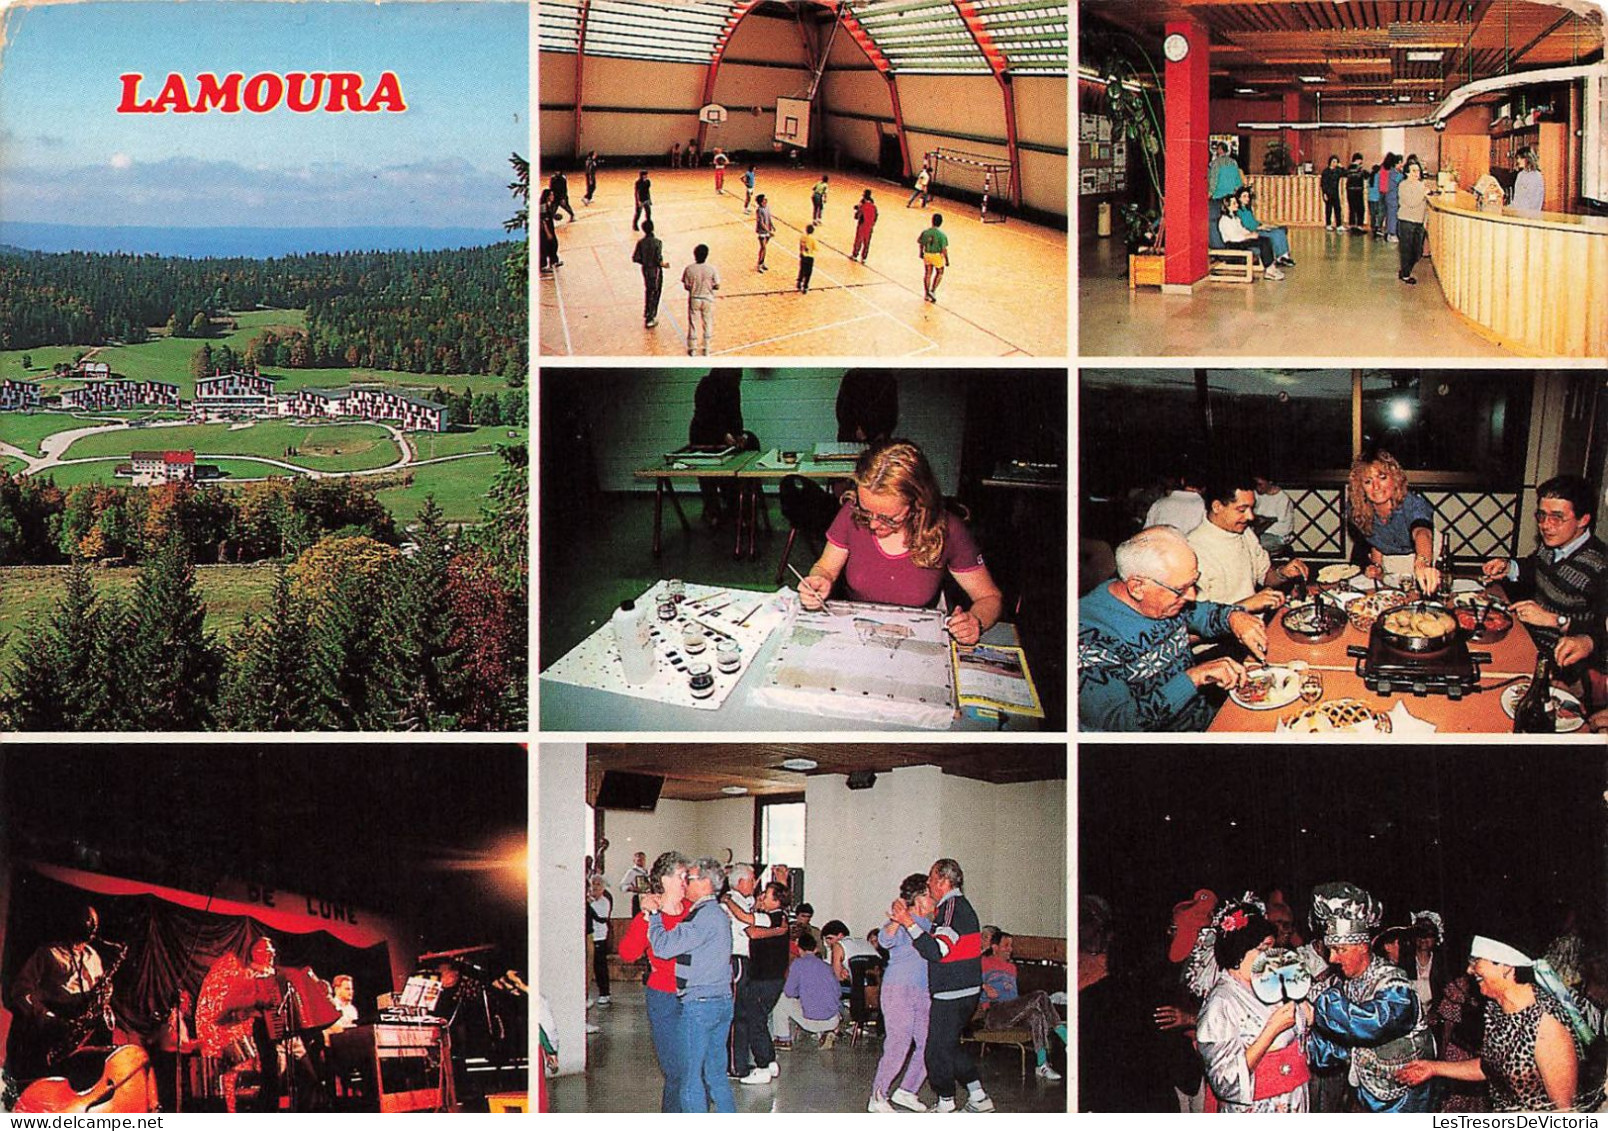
{"x": 1534, "y": 282}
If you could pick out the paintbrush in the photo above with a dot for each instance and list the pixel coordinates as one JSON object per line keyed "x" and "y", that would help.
{"x": 710, "y": 628}
{"x": 825, "y": 608}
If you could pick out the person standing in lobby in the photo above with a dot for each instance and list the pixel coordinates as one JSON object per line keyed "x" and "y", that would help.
{"x": 1412, "y": 212}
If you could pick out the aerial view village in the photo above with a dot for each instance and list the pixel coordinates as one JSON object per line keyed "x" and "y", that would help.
{"x": 264, "y": 432}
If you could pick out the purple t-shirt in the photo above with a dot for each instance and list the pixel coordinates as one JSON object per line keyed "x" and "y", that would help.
{"x": 873, "y": 574}
{"x": 816, "y": 987}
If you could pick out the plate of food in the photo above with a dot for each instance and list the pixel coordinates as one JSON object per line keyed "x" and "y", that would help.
{"x": 1366, "y": 610}
{"x": 1334, "y": 574}
{"x": 1571, "y": 714}
{"x": 1337, "y": 716}
{"x": 1267, "y": 689}
{"x": 1484, "y": 624}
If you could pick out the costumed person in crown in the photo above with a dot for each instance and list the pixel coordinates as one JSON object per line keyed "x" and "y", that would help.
{"x": 1252, "y": 1029}
{"x": 1372, "y": 1021}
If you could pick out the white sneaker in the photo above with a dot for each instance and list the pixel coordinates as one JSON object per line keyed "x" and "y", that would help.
{"x": 775, "y": 1069}
{"x": 591, "y": 1028}
{"x": 1274, "y": 273}
{"x": 980, "y": 1103}
{"x": 758, "y": 1076}
{"x": 605, "y": 1000}
{"x": 907, "y": 1100}
{"x": 1047, "y": 1072}
{"x": 879, "y": 1103}
{"x": 944, "y": 1106}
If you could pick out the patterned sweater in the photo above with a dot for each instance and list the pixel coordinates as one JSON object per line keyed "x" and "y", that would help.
{"x": 1133, "y": 669}
{"x": 1572, "y": 587}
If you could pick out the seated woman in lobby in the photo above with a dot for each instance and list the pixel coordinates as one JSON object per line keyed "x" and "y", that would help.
{"x": 1236, "y": 235}
{"x": 1279, "y": 235}
{"x": 894, "y": 539}
{"x": 1397, "y": 522}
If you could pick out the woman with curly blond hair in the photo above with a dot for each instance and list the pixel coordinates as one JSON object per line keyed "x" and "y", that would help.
{"x": 894, "y": 539}
{"x": 1397, "y": 523}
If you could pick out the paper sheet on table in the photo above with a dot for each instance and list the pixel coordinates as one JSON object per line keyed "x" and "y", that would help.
{"x": 595, "y": 661}
{"x": 871, "y": 663}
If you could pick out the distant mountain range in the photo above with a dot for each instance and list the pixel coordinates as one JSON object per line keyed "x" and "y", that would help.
{"x": 250, "y": 243}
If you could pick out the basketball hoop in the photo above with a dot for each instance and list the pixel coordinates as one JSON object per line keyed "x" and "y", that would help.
{"x": 713, "y": 114}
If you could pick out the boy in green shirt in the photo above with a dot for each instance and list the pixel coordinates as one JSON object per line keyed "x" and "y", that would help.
{"x": 934, "y": 247}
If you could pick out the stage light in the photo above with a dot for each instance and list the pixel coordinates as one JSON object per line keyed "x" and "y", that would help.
{"x": 1401, "y": 411}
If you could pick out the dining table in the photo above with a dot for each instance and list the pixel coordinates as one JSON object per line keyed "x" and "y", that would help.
{"x": 1478, "y": 711}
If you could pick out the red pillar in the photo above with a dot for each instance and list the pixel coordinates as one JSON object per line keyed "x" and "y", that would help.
{"x": 1292, "y": 138}
{"x": 1187, "y": 102}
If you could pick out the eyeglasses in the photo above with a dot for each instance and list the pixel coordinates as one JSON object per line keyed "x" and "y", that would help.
{"x": 1184, "y": 592}
{"x": 871, "y": 518}
{"x": 1547, "y": 518}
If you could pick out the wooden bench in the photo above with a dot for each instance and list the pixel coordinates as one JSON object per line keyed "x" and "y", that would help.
{"x": 1233, "y": 265}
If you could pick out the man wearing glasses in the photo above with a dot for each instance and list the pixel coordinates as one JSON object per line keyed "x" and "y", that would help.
{"x": 1135, "y": 669}
{"x": 1565, "y": 579}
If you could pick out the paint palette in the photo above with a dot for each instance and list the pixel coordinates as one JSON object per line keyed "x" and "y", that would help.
{"x": 742, "y": 615}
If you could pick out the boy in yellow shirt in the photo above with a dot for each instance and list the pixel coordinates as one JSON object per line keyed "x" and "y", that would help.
{"x": 807, "y": 247}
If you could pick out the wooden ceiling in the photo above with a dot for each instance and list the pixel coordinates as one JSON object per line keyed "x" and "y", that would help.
{"x": 698, "y": 772}
{"x": 1360, "y": 47}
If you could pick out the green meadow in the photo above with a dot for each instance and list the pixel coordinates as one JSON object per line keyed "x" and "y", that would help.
{"x": 168, "y": 359}
{"x": 459, "y": 487}
{"x": 429, "y": 445}
{"x": 26, "y": 430}
{"x": 322, "y": 447}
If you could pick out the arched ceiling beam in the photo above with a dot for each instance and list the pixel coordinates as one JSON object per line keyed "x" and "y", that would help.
{"x": 1002, "y": 75}
{"x": 861, "y": 37}
{"x": 580, "y": 68}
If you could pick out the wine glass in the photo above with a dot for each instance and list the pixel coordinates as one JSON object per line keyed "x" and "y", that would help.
{"x": 1311, "y": 686}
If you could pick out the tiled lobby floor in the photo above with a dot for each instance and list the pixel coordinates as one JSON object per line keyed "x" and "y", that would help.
{"x": 1342, "y": 300}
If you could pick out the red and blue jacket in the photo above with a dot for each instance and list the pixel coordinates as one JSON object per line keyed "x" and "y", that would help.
{"x": 953, "y": 949}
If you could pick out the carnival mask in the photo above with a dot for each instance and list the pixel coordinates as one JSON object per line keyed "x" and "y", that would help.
{"x": 1277, "y": 976}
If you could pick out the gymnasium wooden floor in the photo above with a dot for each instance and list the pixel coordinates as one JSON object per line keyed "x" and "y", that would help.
{"x": 1004, "y": 294}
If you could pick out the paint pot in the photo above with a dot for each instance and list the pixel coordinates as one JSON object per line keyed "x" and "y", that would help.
{"x": 692, "y": 640}
{"x": 667, "y": 610}
{"x": 677, "y": 589}
{"x": 699, "y": 681}
{"x": 728, "y": 656}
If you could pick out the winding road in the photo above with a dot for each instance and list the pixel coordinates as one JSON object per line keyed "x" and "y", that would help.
{"x": 57, "y": 444}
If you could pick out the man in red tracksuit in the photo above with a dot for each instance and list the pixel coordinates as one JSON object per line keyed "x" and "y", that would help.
{"x": 954, "y": 953}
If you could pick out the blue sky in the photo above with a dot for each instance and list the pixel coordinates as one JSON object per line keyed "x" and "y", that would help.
{"x": 69, "y": 157}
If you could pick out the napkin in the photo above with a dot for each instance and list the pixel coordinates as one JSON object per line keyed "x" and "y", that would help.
{"x": 1403, "y": 721}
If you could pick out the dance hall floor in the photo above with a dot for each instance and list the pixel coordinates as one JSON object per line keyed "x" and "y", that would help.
{"x": 622, "y": 1073}
{"x": 1342, "y": 299}
{"x": 1004, "y": 294}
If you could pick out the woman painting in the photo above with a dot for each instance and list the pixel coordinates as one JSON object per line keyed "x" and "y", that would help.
{"x": 1397, "y": 523}
{"x": 905, "y": 1005}
{"x": 1252, "y": 1051}
{"x": 1530, "y": 1055}
{"x": 894, "y": 539}
{"x": 667, "y": 885}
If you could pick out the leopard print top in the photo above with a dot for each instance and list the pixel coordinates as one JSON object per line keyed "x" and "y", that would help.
{"x": 1507, "y": 1054}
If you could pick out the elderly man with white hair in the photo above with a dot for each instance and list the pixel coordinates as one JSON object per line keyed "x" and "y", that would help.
{"x": 739, "y": 894}
{"x": 1135, "y": 667}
